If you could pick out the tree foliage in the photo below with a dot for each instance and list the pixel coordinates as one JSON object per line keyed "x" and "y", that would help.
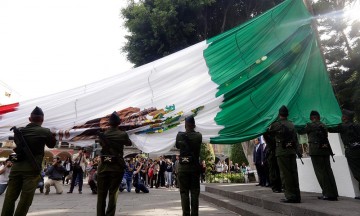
{"x": 237, "y": 154}
{"x": 207, "y": 154}
{"x": 340, "y": 40}
{"x": 161, "y": 27}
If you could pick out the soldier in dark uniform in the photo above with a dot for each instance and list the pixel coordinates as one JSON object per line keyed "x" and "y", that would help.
{"x": 286, "y": 149}
{"x": 112, "y": 167}
{"x": 320, "y": 151}
{"x": 24, "y": 177}
{"x": 350, "y": 136}
{"x": 274, "y": 171}
{"x": 189, "y": 143}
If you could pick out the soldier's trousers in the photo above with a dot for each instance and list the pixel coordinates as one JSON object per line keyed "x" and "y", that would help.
{"x": 23, "y": 183}
{"x": 289, "y": 176}
{"x": 353, "y": 159}
{"x": 274, "y": 173}
{"x": 189, "y": 182}
{"x": 325, "y": 175}
{"x": 108, "y": 183}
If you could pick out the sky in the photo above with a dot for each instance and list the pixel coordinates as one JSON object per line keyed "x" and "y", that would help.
{"x": 49, "y": 46}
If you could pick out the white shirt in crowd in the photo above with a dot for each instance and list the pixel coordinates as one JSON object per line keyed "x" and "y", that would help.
{"x": 4, "y": 178}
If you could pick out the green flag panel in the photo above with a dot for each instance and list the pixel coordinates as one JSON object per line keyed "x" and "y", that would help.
{"x": 270, "y": 61}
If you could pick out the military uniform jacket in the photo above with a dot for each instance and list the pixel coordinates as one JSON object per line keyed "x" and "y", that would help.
{"x": 316, "y": 145}
{"x": 36, "y": 137}
{"x": 195, "y": 140}
{"x": 116, "y": 139}
{"x": 282, "y": 137}
{"x": 348, "y": 132}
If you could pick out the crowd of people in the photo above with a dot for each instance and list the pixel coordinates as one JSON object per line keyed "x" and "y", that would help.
{"x": 140, "y": 172}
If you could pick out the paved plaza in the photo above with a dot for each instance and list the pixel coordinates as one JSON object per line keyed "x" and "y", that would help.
{"x": 160, "y": 201}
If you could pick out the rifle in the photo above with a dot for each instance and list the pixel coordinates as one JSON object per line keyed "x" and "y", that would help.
{"x": 332, "y": 153}
{"x": 299, "y": 156}
{"x": 22, "y": 147}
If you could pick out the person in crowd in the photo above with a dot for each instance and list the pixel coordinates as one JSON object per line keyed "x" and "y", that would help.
{"x": 274, "y": 170}
{"x": 237, "y": 169}
{"x": 112, "y": 167}
{"x": 219, "y": 167}
{"x": 4, "y": 175}
{"x": 145, "y": 170}
{"x": 169, "y": 171}
{"x": 138, "y": 181}
{"x": 41, "y": 182}
{"x": 156, "y": 173}
{"x": 225, "y": 167}
{"x": 266, "y": 164}
{"x": 176, "y": 170}
{"x": 286, "y": 150}
{"x": 231, "y": 166}
{"x": 320, "y": 151}
{"x": 79, "y": 166}
{"x": 244, "y": 169}
{"x": 128, "y": 176}
{"x": 55, "y": 173}
{"x": 202, "y": 171}
{"x": 161, "y": 175}
{"x": 151, "y": 173}
{"x": 189, "y": 143}
{"x": 258, "y": 159}
{"x": 92, "y": 180}
{"x": 350, "y": 136}
{"x": 68, "y": 167}
{"x": 24, "y": 177}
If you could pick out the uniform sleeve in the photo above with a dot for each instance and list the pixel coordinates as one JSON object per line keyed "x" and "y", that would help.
{"x": 296, "y": 140}
{"x": 336, "y": 129}
{"x": 128, "y": 141}
{"x": 357, "y": 128}
{"x": 304, "y": 130}
{"x": 50, "y": 140}
{"x": 178, "y": 140}
{"x": 274, "y": 127}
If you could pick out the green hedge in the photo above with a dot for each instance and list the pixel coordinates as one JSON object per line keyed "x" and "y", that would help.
{"x": 225, "y": 178}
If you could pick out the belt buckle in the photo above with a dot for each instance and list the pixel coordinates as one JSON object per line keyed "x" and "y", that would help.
{"x": 185, "y": 160}
{"x": 107, "y": 159}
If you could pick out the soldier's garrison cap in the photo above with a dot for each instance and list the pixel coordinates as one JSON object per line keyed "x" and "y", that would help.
{"x": 283, "y": 111}
{"x": 114, "y": 119}
{"x": 314, "y": 113}
{"x": 190, "y": 120}
{"x": 348, "y": 113}
{"x": 37, "y": 112}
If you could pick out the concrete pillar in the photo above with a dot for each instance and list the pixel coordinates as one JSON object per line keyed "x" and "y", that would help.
{"x": 346, "y": 184}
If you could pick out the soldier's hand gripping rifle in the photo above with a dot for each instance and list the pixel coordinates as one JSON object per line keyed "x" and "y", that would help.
{"x": 300, "y": 157}
{"x": 23, "y": 148}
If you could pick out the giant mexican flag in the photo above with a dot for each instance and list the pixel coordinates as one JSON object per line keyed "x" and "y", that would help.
{"x": 234, "y": 84}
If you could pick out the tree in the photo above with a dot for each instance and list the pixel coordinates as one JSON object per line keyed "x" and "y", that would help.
{"x": 340, "y": 40}
{"x": 207, "y": 154}
{"x": 237, "y": 154}
{"x": 161, "y": 27}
